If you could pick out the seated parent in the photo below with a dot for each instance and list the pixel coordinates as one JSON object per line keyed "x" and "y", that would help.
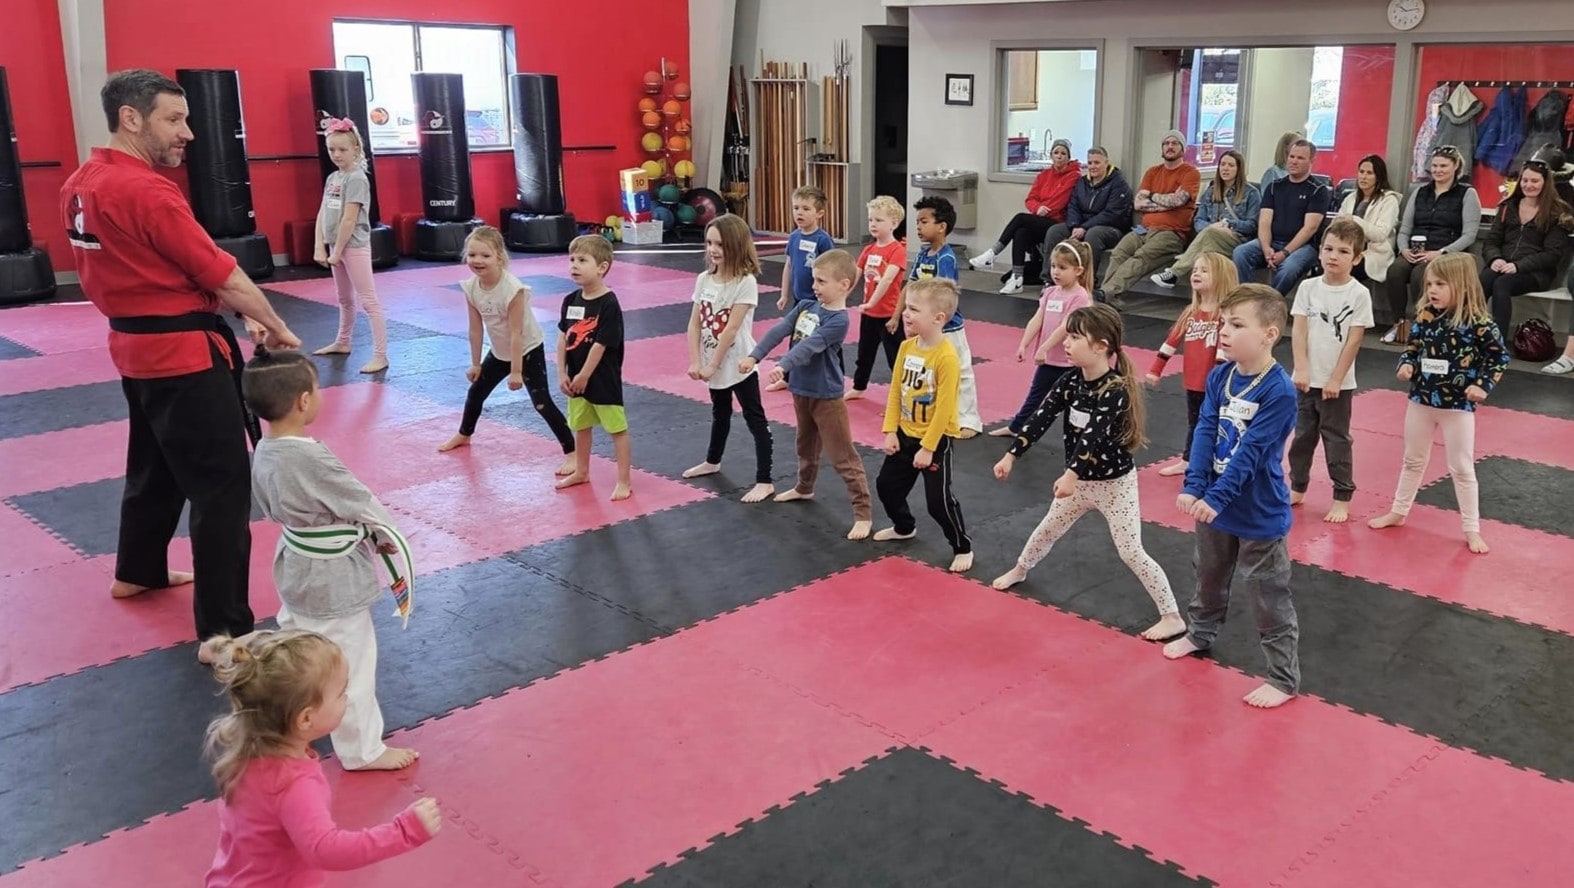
{"x": 1441, "y": 216}
{"x": 1281, "y": 160}
{"x": 1526, "y": 243}
{"x": 1226, "y": 217}
{"x": 1293, "y": 208}
{"x": 1565, "y": 361}
{"x": 1166, "y": 198}
{"x": 1375, "y": 206}
{"x": 1046, "y": 204}
{"x": 1100, "y": 208}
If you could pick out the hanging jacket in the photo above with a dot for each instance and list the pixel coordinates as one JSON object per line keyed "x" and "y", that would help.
{"x": 1107, "y": 203}
{"x": 1456, "y": 125}
{"x": 1503, "y": 131}
{"x": 1052, "y": 190}
{"x": 1546, "y": 125}
{"x": 1421, "y": 154}
{"x": 1533, "y": 250}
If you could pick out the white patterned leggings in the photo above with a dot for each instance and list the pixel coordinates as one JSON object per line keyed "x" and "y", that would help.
{"x": 1116, "y": 500}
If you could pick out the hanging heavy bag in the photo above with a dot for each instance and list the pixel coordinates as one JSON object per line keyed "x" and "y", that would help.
{"x": 1533, "y": 341}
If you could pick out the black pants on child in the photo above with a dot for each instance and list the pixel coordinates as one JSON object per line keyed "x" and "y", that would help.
{"x": 494, "y": 371}
{"x": 1194, "y": 413}
{"x": 896, "y": 480}
{"x": 748, "y": 394}
{"x": 872, "y": 336}
{"x": 1044, "y": 377}
{"x": 1328, "y": 421}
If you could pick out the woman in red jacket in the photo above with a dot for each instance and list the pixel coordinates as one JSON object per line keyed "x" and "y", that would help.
{"x": 1046, "y": 205}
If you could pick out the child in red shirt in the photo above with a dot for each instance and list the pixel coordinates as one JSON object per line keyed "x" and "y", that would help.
{"x": 1196, "y": 336}
{"x": 884, "y": 267}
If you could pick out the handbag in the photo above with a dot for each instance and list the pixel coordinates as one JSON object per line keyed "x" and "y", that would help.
{"x": 1533, "y": 341}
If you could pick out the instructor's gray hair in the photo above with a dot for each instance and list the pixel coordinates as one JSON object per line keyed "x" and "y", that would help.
{"x": 138, "y": 88}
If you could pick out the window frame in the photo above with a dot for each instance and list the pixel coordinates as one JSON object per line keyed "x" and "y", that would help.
{"x": 999, "y": 112}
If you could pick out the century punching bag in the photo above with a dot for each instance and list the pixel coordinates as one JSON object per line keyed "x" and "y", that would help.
{"x": 219, "y": 174}
{"x": 25, "y": 272}
{"x": 541, "y": 221}
{"x": 445, "y": 166}
{"x": 337, "y": 93}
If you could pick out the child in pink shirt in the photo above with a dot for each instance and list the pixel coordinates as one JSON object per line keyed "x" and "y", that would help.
{"x": 1071, "y": 274}
{"x": 288, "y": 688}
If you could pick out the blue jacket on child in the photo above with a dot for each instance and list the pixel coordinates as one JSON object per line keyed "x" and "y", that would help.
{"x": 1237, "y": 454}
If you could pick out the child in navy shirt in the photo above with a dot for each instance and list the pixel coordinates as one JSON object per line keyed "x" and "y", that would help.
{"x": 934, "y": 219}
{"x": 806, "y": 243}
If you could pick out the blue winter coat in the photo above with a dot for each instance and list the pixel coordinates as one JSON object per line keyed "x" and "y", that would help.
{"x": 1107, "y": 203}
{"x": 1503, "y": 131}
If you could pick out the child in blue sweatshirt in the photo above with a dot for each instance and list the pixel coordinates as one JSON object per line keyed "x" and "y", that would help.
{"x": 817, "y": 329}
{"x": 934, "y": 219}
{"x": 1235, "y": 489}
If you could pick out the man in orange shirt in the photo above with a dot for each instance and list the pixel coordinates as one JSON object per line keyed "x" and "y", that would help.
{"x": 150, "y": 268}
{"x": 1165, "y": 202}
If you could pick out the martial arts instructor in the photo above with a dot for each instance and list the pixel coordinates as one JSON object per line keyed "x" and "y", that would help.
{"x": 150, "y": 268}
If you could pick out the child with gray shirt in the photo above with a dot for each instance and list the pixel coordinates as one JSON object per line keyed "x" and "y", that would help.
{"x": 343, "y": 242}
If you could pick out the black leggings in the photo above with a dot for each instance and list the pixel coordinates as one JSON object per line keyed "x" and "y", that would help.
{"x": 1404, "y": 284}
{"x": 872, "y": 334}
{"x": 896, "y": 479}
{"x": 1501, "y": 290}
{"x": 494, "y": 371}
{"x": 1024, "y": 233}
{"x": 748, "y": 395}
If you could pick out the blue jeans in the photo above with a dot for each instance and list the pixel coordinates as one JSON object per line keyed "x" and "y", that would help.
{"x": 1248, "y": 258}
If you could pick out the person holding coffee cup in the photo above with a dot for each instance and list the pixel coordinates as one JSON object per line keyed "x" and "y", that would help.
{"x": 1440, "y": 216}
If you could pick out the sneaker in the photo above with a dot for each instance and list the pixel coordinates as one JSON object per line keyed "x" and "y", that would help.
{"x": 1165, "y": 279}
{"x": 983, "y": 260}
{"x": 1013, "y": 285}
{"x": 1562, "y": 365}
{"x": 1098, "y": 294}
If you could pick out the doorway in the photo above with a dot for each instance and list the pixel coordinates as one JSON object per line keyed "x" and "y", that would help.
{"x": 886, "y": 116}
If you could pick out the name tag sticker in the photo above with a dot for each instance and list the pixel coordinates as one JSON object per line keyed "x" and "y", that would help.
{"x": 913, "y": 364}
{"x": 1240, "y": 410}
{"x": 576, "y": 312}
{"x": 1055, "y": 305}
{"x": 807, "y": 324}
{"x": 806, "y": 247}
{"x": 874, "y": 262}
{"x": 334, "y": 203}
{"x": 1434, "y": 366}
{"x": 1078, "y": 419}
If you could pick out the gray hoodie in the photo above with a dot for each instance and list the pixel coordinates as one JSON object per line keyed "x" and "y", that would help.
{"x": 1456, "y": 125}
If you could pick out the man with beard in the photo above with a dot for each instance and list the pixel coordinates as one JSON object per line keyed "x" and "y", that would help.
{"x": 1293, "y": 208}
{"x": 147, "y": 265}
{"x": 1165, "y": 201}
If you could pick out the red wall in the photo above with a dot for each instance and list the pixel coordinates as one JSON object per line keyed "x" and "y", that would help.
{"x": 34, "y": 60}
{"x": 600, "y": 65}
{"x": 1365, "y": 84}
{"x": 1492, "y": 62}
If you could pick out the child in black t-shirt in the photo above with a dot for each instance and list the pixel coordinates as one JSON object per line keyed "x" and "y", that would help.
{"x": 590, "y": 361}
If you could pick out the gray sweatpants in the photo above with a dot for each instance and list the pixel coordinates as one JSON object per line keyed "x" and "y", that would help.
{"x": 1264, "y": 569}
{"x": 1328, "y": 421}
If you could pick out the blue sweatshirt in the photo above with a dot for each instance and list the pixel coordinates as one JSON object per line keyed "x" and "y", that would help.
{"x": 1237, "y": 455}
{"x": 939, "y": 263}
{"x": 814, "y": 358}
{"x": 802, "y": 250}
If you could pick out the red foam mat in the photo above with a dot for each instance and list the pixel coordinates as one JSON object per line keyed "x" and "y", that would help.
{"x": 56, "y": 327}
{"x": 62, "y": 459}
{"x": 54, "y": 371}
{"x": 1499, "y": 432}
{"x": 25, "y": 546}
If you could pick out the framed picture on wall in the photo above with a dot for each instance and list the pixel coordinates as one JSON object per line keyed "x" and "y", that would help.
{"x": 959, "y": 89}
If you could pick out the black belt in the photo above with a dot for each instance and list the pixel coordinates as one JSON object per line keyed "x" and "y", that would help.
{"x": 197, "y": 322}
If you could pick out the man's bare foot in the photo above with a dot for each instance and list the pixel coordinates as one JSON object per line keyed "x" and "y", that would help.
{"x": 776, "y": 386}
{"x": 1173, "y": 469}
{"x": 791, "y": 495}
{"x": 966, "y": 434}
{"x": 1267, "y": 697}
{"x": 759, "y": 492}
{"x": 123, "y": 589}
{"x": 1339, "y": 513}
{"x": 1003, "y": 432}
{"x": 854, "y": 395}
{"x": 567, "y": 466}
{"x": 860, "y": 531}
{"x": 704, "y": 468}
{"x": 1168, "y": 626}
{"x": 1476, "y": 543}
{"x": 1010, "y": 578}
{"x": 1392, "y": 519}
{"x": 375, "y": 365}
{"x": 1180, "y": 647}
{"x": 392, "y": 759}
{"x": 961, "y": 564}
{"x": 889, "y": 534}
{"x": 572, "y": 480}
{"x": 337, "y": 348}
{"x": 455, "y": 441}
{"x": 621, "y": 491}
{"x": 1297, "y": 497}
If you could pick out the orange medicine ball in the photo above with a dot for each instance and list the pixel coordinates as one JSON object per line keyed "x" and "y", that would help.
{"x": 676, "y": 143}
{"x": 683, "y": 126}
{"x": 647, "y": 104}
{"x": 652, "y": 82}
{"x": 651, "y": 119}
{"x": 681, "y": 90}
{"x": 671, "y": 108}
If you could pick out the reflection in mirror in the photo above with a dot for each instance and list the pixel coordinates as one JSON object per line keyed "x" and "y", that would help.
{"x": 1050, "y": 94}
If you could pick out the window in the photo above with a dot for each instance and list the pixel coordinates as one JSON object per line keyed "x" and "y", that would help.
{"x": 389, "y": 52}
{"x": 1050, "y": 94}
{"x": 1322, "y": 117}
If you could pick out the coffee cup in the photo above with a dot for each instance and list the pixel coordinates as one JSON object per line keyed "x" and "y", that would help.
{"x": 1418, "y": 243}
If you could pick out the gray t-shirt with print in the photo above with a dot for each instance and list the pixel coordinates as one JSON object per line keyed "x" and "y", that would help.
{"x": 346, "y": 188}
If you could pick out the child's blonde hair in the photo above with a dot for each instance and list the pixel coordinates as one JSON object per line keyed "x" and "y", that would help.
{"x": 738, "y": 256}
{"x": 839, "y": 265}
{"x": 270, "y": 678}
{"x": 1078, "y": 255}
{"x": 1458, "y": 271}
{"x": 593, "y": 245}
{"x": 348, "y": 129}
{"x": 1100, "y": 323}
{"x": 887, "y": 206}
{"x": 939, "y": 294}
{"x": 1224, "y": 278}
{"x": 1265, "y": 302}
{"x": 491, "y": 238}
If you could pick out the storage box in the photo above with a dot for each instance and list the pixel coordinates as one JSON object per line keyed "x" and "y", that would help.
{"x": 642, "y": 232}
{"x": 636, "y": 194}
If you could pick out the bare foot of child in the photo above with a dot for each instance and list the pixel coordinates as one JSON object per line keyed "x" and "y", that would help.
{"x": 1168, "y": 626}
{"x": 1180, "y": 647}
{"x": 1173, "y": 469}
{"x": 792, "y": 495}
{"x": 1267, "y": 697}
{"x": 1297, "y": 497}
{"x": 776, "y": 386}
{"x": 1010, "y": 578}
{"x": 889, "y": 534}
{"x": 122, "y": 589}
{"x": 961, "y": 564}
{"x": 375, "y": 365}
{"x": 860, "y": 531}
{"x": 704, "y": 468}
{"x": 966, "y": 434}
{"x": 208, "y": 652}
{"x": 572, "y": 479}
{"x": 759, "y": 492}
{"x": 455, "y": 441}
{"x": 336, "y": 348}
{"x": 392, "y": 759}
{"x": 1392, "y": 519}
{"x": 1338, "y": 514}
{"x": 854, "y": 395}
{"x": 567, "y": 466}
{"x": 1476, "y": 543}
{"x": 621, "y": 492}
{"x": 1003, "y": 432}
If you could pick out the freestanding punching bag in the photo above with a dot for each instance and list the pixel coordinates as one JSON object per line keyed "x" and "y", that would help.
{"x": 445, "y": 166}
{"x": 25, "y": 272}
{"x": 338, "y": 93}
{"x": 541, "y": 221}
{"x": 219, "y": 173}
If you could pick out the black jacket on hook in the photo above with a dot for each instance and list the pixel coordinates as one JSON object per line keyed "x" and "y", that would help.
{"x": 1546, "y": 125}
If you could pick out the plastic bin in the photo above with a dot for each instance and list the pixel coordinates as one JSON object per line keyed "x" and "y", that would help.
{"x": 960, "y": 187}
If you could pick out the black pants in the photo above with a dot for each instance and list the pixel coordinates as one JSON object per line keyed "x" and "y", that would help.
{"x": 1025, "y": 233}
{"x": 896, "y": 480}
{"x": 494, "y": 371}
{"x": 1100, "y": 239}
{"x": 1193, "y": 413}
{"x": 872, "y": 335}
{"x": 1329, "y": 422}
{"x": 1404, "y": 284}
{"x": 1501, "y": 290}
{"x": 748, "y": 394}
{"x": 188, "y": 442}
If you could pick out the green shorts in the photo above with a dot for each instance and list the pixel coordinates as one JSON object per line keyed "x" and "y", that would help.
{"x": 584, "y": 415}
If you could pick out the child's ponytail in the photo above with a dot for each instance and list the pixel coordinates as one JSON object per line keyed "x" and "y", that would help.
{"x": 1136, "y": 410}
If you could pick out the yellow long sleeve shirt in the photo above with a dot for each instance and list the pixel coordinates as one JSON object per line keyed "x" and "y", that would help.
{"x": 923, "y": 399}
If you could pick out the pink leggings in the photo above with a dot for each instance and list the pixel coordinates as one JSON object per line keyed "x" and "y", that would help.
{"x": 353, "y": 277}
{"x": 1459, "y": 443}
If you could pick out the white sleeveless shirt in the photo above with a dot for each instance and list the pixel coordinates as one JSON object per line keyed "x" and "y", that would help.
{"x": 492, "y": 304}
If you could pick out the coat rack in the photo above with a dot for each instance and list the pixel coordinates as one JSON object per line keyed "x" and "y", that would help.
{"x": 1507, "y": 84}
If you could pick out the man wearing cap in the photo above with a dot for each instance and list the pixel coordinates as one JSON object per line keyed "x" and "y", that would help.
{"x": 1293, "y": 208}
{"x": 1046, "y": 205}
{"x": 147, "y": 265}
{"x": 1165, "y": 200}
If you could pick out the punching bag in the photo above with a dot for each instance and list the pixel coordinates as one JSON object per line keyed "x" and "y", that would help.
{"x": 14, "y": 235}
{"x": 538, "y": 143}
{"x": 220, "y": 176}
{"x": 444, "y": 147}
{"x": 337, "y": 94}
